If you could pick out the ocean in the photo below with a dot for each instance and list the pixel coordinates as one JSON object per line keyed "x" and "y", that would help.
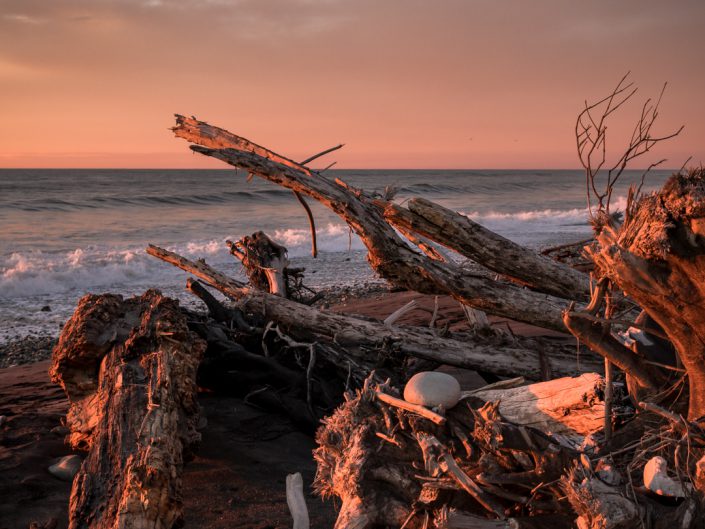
{"x": 67, "y": 232}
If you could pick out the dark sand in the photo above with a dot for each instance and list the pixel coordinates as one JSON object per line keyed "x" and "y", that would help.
{"x": 237, "y": 479}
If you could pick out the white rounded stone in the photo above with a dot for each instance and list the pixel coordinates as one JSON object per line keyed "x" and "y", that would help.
{"x": 431, "y": 389}
{"x": 657, "y": 480}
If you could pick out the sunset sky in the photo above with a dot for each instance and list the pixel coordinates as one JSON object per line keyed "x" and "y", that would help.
{"x": 403, "y": 83}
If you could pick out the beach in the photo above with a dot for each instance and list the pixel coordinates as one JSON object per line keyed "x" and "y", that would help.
{"x": 237, "y": 476}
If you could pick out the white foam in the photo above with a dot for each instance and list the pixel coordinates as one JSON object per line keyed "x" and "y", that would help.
{"x": 335, "y": 237}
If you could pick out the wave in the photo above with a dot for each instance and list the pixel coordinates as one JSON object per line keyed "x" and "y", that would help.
{"x": 93, "y": 267}
{"x": 53, "y": 204}
{"x": 36, "y": 273}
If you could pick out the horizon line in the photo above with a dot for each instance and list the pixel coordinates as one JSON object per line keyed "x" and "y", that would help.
{"x": 655, "y": 169}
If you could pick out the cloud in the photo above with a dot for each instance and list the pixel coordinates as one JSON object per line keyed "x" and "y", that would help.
{"x": 12, "y": 70}
{"x": 23, "y": 19}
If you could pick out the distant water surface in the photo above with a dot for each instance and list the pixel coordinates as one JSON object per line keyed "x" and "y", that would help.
{"x": 64, "y": 233}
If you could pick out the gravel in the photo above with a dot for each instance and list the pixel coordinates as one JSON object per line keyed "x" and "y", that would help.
{"x": 26, "y": 350}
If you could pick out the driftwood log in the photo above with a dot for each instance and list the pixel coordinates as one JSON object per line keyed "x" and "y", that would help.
{"x": 129, "y": 370}
{"x": 567, "y": 406}
{"x": 658, "y": 258}
{"x": 501, "y": 354}
{"x": 461, "y": 234}
{"x": 264, "y": 261}
{"x": 388, "y": 253}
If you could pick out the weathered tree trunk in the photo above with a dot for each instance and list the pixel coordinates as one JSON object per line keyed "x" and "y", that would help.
{"x": 358, "y": 337}
{"x": 459, "y": 233}
{"x": 658, "y": 258}
{"x": 265, "y": 262}
{"x": 129, "y": 368}
{"x": 388, "y": 254}
{"x": 566, "y": 406}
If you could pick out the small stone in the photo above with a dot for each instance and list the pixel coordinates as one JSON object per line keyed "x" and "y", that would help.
{"x": 657, "y": 480}
{"x": 432, "y": 389}
{"x": 607, "y": 473}
{"x": 46, "y": 308}
{"x": 66, "y": 468}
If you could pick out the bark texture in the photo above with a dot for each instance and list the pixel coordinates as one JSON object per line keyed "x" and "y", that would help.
{"x": 470, "y": 239}
{"x": 658, "y": 258}
{"x": 566, "y": 406}
{"x": 129, "y": 368}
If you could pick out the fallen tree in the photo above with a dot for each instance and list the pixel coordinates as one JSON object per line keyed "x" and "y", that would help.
{"x": 388, "y": 254}
{"x": 129, "y": 370}
{"x": 499, "y": 354}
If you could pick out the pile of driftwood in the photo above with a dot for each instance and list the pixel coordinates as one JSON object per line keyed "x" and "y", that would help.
{"x": 570, "y": 449}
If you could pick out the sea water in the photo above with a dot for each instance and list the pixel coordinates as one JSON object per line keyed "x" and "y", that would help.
{"x": 65, "y": 232}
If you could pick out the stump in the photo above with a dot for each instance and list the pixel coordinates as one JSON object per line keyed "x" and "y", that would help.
{"x": 128, "y": 368}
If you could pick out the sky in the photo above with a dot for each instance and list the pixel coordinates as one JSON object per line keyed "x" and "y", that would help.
{"x": 403, "y": 83}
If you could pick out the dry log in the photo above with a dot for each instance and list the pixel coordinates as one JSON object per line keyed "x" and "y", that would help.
{"x": 265, "y": 262}
{"x": 459, "y": 233}
{"x": 658, "y": 258}
{"x": 129, "y": 368}
{"x": 596, "y": 335}
{"x": 219, "y": 312}
{"x": 359, "y": 336}
{"x": 388, "y": 254}
{"x": 566, "y": 406}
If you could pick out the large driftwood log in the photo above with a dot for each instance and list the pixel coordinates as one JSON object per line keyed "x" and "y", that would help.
{"x": 459, "y": 233}
{"x": 658, "y": 258}
{"x": 566, "y": 406}
{"x": 129, "y": 369}
{"x": 388, "y": 254}
{"x": 501, "y": 355}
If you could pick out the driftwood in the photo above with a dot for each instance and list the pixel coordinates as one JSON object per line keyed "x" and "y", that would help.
{"x": 393, "y": 467}
{"x": 566, "y": 406}
{"x": 264, "y": 261}
{"x": 129, "y": 370}
{"x": 658, "y": 258}
{"x": 388, "y": 254}
{"x": 495, "y": 252}
{"x": 501, "y": 355}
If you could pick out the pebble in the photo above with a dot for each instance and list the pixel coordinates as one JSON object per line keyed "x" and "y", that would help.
{"x": 657, "y": 480}
{"x": 66, "y": 468}
{"x": 26, "y": 350}
{"x": 432, "y": 389}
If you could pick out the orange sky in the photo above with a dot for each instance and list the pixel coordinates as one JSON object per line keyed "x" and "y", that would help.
{"x": 404, "y": 83}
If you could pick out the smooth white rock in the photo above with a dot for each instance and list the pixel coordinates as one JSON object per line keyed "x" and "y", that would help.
{"x": 66, "y": 468}
{"x": 656, "y": 479}
{"x": 431, "y": 389}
